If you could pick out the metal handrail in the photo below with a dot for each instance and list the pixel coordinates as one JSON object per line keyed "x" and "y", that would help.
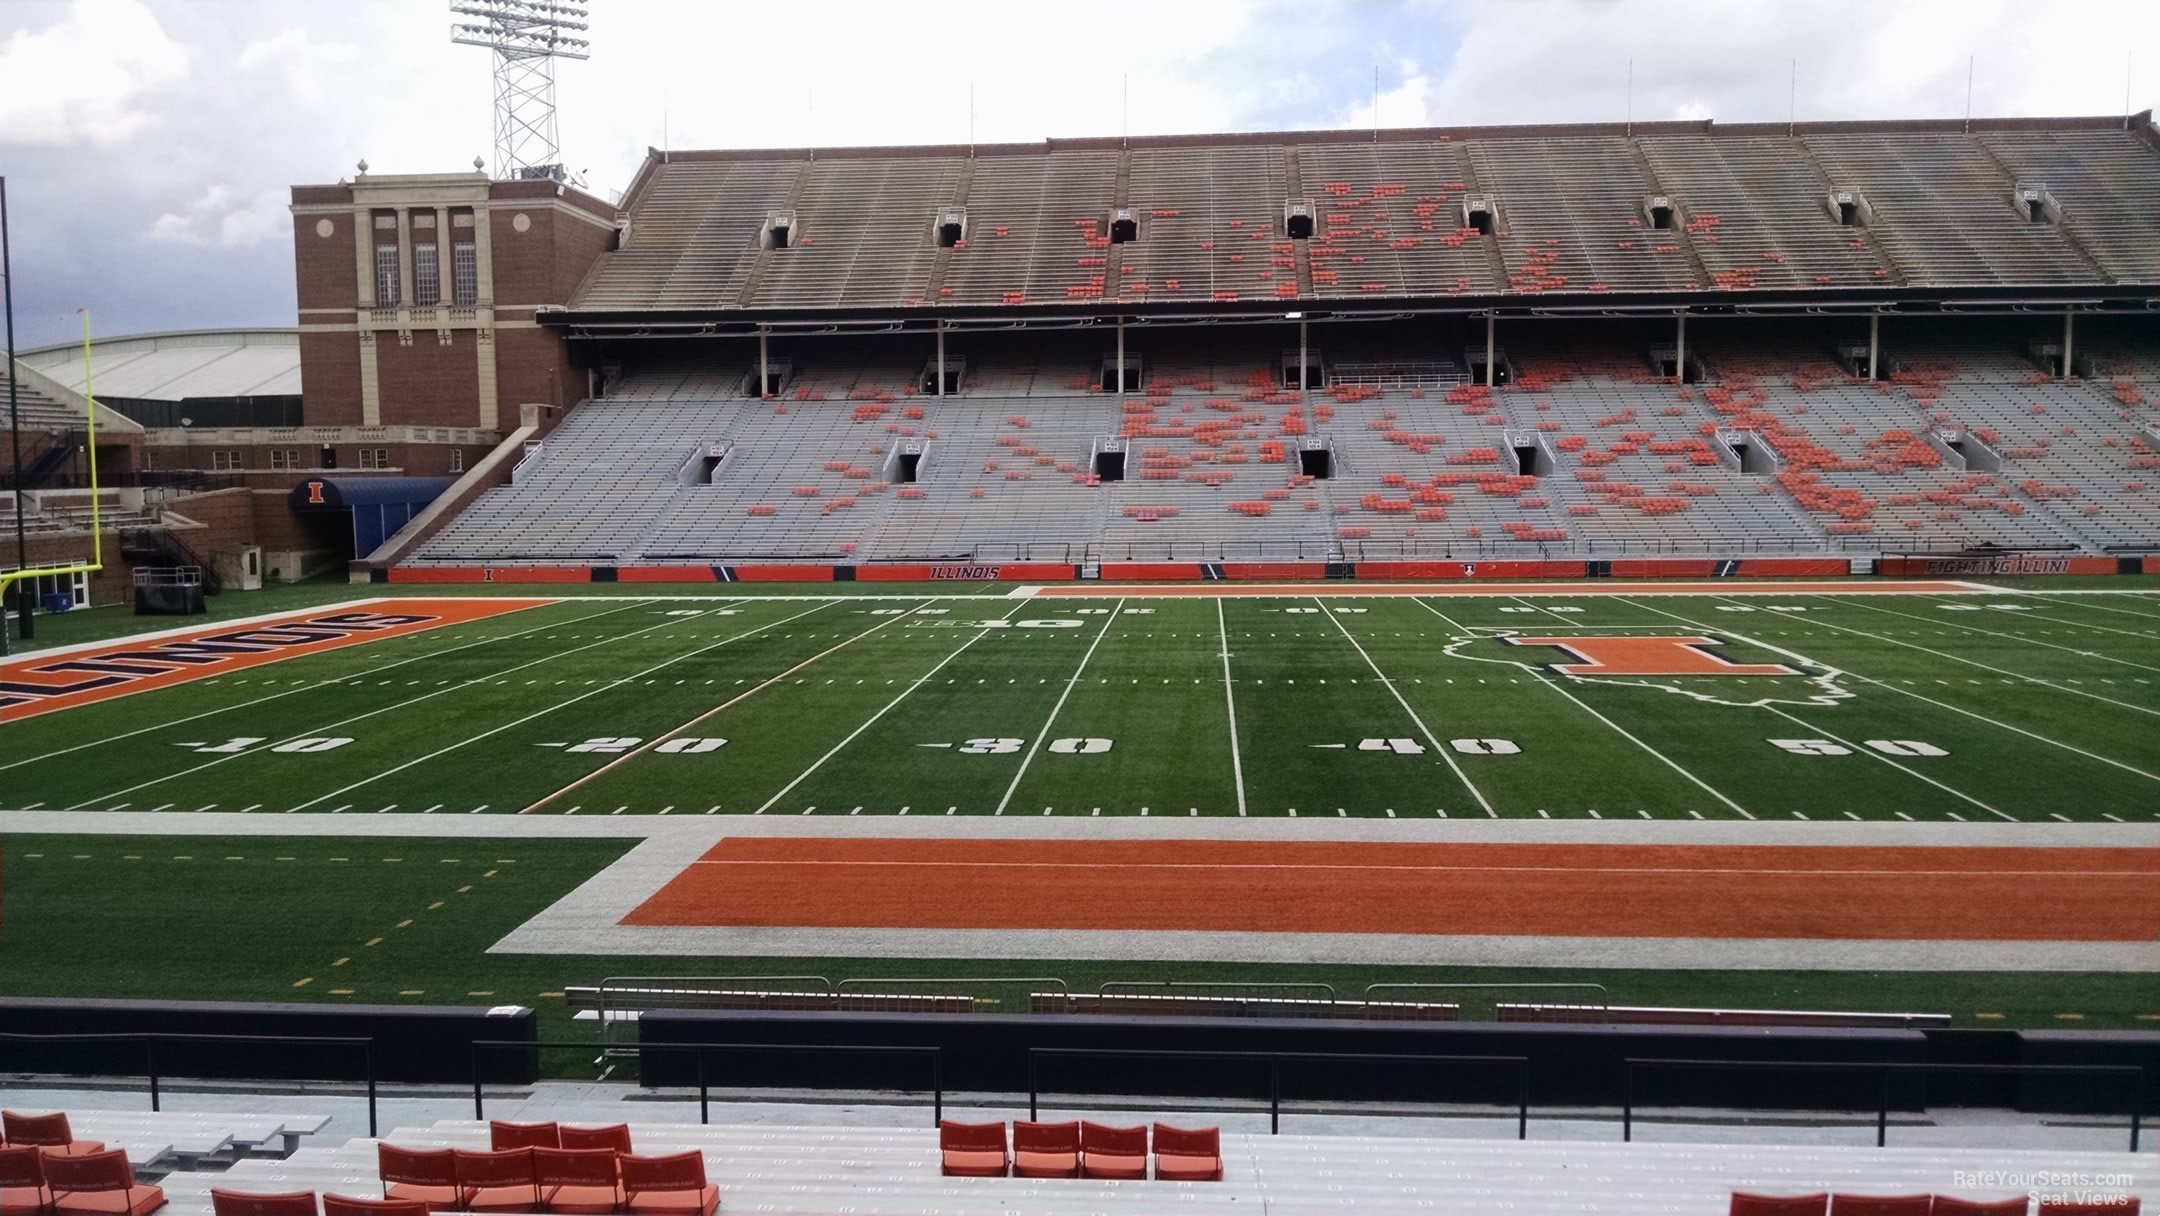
{"x": 701, "y": 1050}
{"x": 1274, "y": 1060}
{"x": 150, "y": 1040}
{"x": 1886, "y": 1069}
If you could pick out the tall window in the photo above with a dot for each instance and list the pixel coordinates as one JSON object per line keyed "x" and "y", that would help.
{"x": 464, "y": 273}
{"x": 374, "y": 458}
{"x": 386, "y": 277}
{"x": 221, "y": 459}
{"x": 427, "y": 276}
{"x": 457, "y": 460}
{"x": 284, "y": 458}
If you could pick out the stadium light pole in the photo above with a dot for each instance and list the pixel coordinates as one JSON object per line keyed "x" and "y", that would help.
{"x": 7, "y": 305}
{"x": 527, "y": 36}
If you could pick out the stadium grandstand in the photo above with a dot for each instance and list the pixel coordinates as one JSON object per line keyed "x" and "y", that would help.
{"x": 1835, "y": 341}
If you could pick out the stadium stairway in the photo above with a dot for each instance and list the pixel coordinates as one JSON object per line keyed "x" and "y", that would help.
{"x": 888, "y": 1172}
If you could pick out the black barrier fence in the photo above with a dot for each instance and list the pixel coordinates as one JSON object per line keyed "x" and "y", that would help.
{"x": 1883, "y": 1074}
{"x": 1274, "y": 1061}
{"x": 700, "y": 1051}
{"x": 221, "y": 1045}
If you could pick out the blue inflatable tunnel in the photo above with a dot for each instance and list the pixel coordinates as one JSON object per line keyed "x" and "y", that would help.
{"x": 379, "y": 505}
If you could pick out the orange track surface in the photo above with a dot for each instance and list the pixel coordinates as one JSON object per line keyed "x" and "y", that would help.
{"x": 1600, "y": 587}
{"x": 1849, "y": 893}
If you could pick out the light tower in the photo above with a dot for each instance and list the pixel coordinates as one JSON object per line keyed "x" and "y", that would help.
{"x": 527, "y": 36}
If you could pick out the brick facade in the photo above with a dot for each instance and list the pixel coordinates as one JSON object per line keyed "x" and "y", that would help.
{"x": 450, "y": 353}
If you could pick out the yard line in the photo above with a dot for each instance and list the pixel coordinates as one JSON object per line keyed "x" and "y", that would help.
{"x": 1668, "y": 761}
{"x": 267, "y": 746}
{"x": 909, "y": 691}
{"x": 1446, "y": 754}
{"x": 2019, "y": 637}
{"x": 208, "y": 713}
{"x": 1052, "y": 719}
{"x": 1906, "y": 692}
{"x": 1944, "y": 654}
{"x": 752, "y": 691}
{"x": 2055, "y": 597}
{"x": 1237, "y": 763}
{"x": 1872, "y": 754}
{"x": 558, "y": 705}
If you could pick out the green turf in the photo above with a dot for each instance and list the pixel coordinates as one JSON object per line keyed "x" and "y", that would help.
{"x": 2043, "y": 706}
{"x": 2023, "y": 707}
{"x": 268, "y": 918}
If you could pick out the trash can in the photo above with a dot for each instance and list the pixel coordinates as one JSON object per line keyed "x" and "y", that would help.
{"x": 58, "y": 601}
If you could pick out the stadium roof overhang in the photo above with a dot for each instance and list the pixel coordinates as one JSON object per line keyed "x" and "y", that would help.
{"x": 2100, "y": 299}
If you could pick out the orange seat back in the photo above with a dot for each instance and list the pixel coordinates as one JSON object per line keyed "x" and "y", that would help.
{"x": 416, "y": 1166}
{"x": 574, "y": 1166}
{"x": 2120, "y": 1205}
{"x": 1045, "y": 1137}
{"x": 45, "y": 1130}
{"x": 1188, "y": 1142}
{"x": 259, "y": 1203}
{"x": 970, "y": 1137}
{"x": 1113, "y": 1141}
{"x": 684, "y": 1171}
{"x": 522, "y": 1135}
{"x": 1881, "y": 1205}
{"x": 22, "y": 1165}
{"x": 508, "y": 1167}
{"x": 1745, "y": 1203}
{"x": 106, "y": 1171}
{"x": 350, "y": 1205}
{"x": 614, "y": 1137}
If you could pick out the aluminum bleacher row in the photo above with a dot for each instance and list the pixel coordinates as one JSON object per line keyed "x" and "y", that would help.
{"x": 1484, "y": 212}
{"x": 1587, "y": 453}
{"x": 897, "y": 1172}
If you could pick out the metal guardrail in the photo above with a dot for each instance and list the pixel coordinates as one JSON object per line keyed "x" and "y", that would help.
{"x": 699, "y": 1053}
{"x": 1373, "y": 991}
{"x": 1885, "y": 1069}
{"x": 150, "y": 1041}
{"x": 1274, "y": 1060}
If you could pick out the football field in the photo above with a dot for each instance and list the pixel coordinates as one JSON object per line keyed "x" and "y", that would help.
{"x": 1719, "y": 778}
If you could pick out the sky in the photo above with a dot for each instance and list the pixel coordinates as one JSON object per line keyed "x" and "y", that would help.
{"x": 149, "y": 145}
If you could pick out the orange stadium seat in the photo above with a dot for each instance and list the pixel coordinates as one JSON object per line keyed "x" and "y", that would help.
{"x": 668, "y": 1185}
{"x": 1188, "y": 1155}
{"x": 496, "y": 1181}
{"x": 2125, "y": 1205}
{"x": 1113, "y": 1152}
{"x": 1946, "y": 1205}
{"x": 22, "y": 1181}
{"x": 972, "y": 1150}
{"x": 49, "y": 1132}
{"x": 99, "y": 1184}
{"x": 577, "y": 1180}
{"x": 1046, "y": 1150}
{"x": 428, "y": 1175}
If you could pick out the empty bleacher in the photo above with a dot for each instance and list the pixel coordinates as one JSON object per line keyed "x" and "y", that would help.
{"x": 881, "y": 1171}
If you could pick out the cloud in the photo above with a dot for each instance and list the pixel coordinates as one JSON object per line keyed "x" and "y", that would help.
{"x": 150, "y": 144}
{"x": 87, "y": 77}
{"x": 214, "y": 219}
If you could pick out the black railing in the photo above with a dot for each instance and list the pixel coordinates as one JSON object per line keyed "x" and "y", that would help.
{"x": 1885, "y": 1070}
{"x": 1274, "y": 1061}
{"x": 699, "y": 1052}
{"x": 152, "y": 1071}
